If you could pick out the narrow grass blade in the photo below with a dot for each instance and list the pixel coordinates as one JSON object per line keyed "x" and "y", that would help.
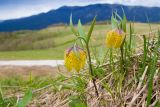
{"x": 91, "y": 29}
{"x": 26, "y": 99}
{"x": 114, "y": 22}
{"x": 72, "y": 27}
{"x": 80, "y": 29}
{"x": 2, "y": 102}
{"x": 152, "y": 71}
{"x": 124, "y": 21}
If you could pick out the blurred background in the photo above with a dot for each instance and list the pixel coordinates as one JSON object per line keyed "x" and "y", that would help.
{"x": 38, "y": 29}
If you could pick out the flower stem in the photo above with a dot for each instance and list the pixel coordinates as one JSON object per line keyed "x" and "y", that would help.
{"x": 122, "y": 59}
{"x": 91, "y": 70}
{"x": 111, "y": 59}
{"x": 90, "y": 65}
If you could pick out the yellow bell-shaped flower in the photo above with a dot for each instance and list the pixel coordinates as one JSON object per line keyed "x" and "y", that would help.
{"x": 114, "y": 38}
{"x": 75, "y": 58}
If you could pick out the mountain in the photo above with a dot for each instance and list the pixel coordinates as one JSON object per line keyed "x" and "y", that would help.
{"x": 85, "y": 13}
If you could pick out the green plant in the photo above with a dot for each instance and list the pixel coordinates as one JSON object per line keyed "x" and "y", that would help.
{"x": 152, "y": 71}
{"x": 26, "y": 99}
{"x": 84, "y": 40}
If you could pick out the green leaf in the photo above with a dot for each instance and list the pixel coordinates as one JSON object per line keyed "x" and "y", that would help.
{"x": 151, "y": 76}
{"x": 132, "y": 41}
{"x": 80, "y": 84}
{"x": 118, "y": 16}
{"x": 7, "y": 101}
{"x": 106, "y": 87}
{"x": 130, "y": 36}
{"x": 2, "y": 102}
{"x": 76, "y": 102}
{"x": 99, "y": 72}
{"x": 124, "y": 21}
{"x": 80, "y": 29}
{"x": 81, "y": 32}
{"x": 72, "y": 27}
{"x": 114, "y": 22}
{"x": 145, "y": 51}
{"x": 153, "y": 64}
{"x": 91, "y": 29}
{"x": 157, "y": 104}
{"x": 26, "y": 99}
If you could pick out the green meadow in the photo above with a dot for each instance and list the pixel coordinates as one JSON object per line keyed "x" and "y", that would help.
{"x": 46, "y": 43}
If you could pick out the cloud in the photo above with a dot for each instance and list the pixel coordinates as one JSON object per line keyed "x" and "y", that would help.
{"x": 21, "y": 8}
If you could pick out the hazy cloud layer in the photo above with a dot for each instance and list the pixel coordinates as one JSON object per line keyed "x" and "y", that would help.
{"x": 20, "y": 8}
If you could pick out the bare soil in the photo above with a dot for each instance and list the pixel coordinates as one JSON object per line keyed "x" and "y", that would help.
{"x": 10, "y": 71}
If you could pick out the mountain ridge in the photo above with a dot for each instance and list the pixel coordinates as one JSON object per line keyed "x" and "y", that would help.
{"x": 85, "y": 13}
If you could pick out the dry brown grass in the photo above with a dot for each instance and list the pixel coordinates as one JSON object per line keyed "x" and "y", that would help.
{"x": 130, "y": 96}
{"x": 24, "y": 71}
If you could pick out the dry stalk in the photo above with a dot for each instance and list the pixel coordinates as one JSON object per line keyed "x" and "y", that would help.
{"x": 142, "y": 78}
{"x": 136, "y": 94}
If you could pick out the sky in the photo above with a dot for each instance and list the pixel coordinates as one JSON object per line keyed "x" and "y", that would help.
{"x": 11, "y": 9}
